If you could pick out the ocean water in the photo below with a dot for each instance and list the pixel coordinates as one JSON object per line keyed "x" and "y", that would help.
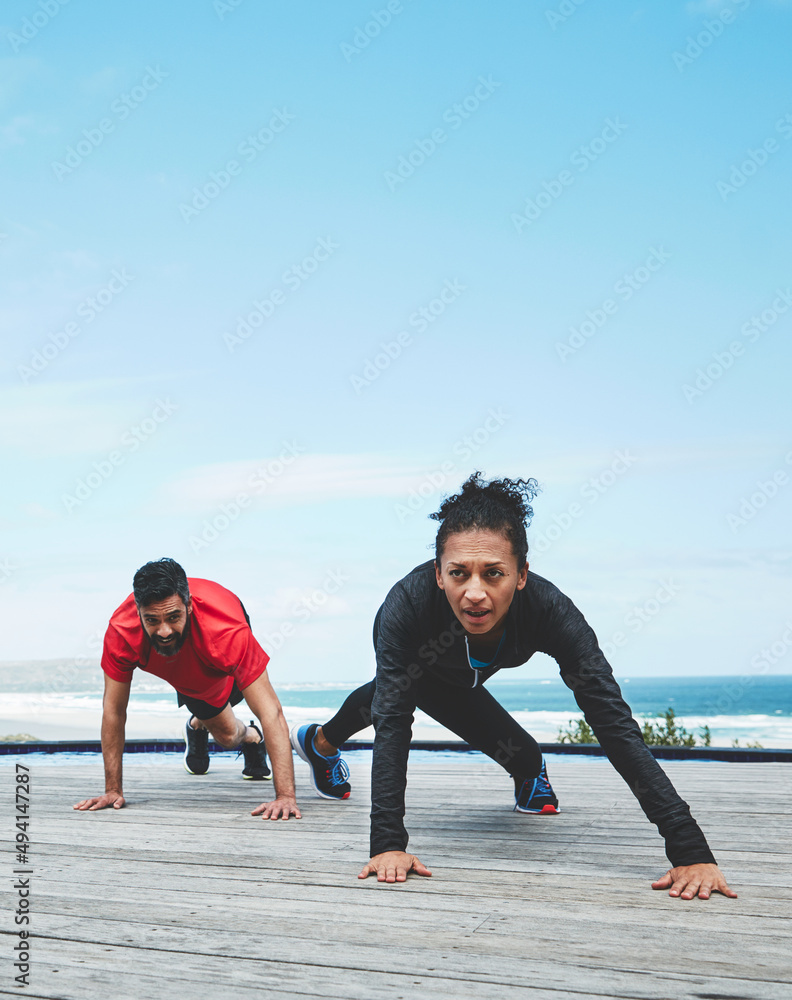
{"x": 60, "y": 701}
{"x": 748, "y": 709}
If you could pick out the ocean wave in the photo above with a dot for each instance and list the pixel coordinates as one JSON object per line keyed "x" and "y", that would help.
{"x": 78, "y": 716}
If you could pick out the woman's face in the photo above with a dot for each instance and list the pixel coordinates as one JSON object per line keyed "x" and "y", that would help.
{"x": 479, "y": 575}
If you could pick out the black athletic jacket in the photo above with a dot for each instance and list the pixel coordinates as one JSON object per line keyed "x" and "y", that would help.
{"x": 416, "y": 632}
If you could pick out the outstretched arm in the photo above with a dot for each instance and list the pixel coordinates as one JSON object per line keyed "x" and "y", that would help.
{"x": 399, "y": 668}
{"x": 264, "y": 703}
{"x": 114, "y": 708}
{"x": 584, "y": 669}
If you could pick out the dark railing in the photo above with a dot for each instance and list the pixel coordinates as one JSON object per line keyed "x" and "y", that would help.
{"x": 741, "y": 754}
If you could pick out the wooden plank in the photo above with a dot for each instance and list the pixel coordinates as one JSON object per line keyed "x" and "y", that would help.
{"x": 289, "y": 930}
{"x": 369, "y": 972}
{"x": 183, "y": 889}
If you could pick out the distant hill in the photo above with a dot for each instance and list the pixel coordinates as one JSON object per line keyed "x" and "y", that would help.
{"x": 50, "y": 675}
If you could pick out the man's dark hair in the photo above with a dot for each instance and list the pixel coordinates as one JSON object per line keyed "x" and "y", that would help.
{"x": 159, "y": 580}
{"x": 500, "y": 505}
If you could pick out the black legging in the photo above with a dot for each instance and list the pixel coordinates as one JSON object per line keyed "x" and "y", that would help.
{"x": 472, "y": 713}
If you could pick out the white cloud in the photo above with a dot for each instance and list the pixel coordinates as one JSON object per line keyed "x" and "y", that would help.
{"x": 13, "y": 132}
{"x": 37, "y": 510}
{"x": 574, "y": 468}
{"x": 76, "y": 260}
{"x": 285, "y": 477}
{"x": 718, "y": 454}
{"x": 61, "y": 418}
{"x": 103, "y": 81}
{"x": 14, "y": 72}
{"x": 280, "y": 479}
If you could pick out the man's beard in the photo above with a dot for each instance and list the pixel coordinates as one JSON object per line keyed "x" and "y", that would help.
{"x": 173, "y": 647}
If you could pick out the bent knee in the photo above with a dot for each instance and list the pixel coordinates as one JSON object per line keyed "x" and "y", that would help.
{"x": 227, "y": 738}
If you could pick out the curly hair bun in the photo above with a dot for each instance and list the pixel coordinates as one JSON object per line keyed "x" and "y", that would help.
{"x": 498, "y": 505}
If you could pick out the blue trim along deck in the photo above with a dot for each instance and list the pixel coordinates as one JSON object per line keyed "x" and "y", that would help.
{"x": 734, "y": 754}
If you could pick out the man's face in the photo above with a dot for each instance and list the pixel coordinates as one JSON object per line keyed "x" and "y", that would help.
{"x": 479, "y": 575}
{"x": 167, "y": 624}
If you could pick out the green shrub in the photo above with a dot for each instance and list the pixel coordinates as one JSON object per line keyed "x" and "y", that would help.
{"x": 582, "y": 733}
{"x": 667, "y": 733}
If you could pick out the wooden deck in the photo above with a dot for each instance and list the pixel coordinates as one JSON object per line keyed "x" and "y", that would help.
{"x": 183, "y": 893}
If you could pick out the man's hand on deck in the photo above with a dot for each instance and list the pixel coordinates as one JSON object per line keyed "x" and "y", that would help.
{"x": 393, "y": 866}
{"x": 114, "y": 799}
{"x": 281, "y": 808}
{"x": 687, "y": 881}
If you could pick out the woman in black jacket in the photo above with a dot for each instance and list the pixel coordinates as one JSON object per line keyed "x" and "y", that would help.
{"x": 445, "y": 629}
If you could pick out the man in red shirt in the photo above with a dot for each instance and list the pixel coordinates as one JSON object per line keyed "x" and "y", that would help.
{"x": 196, "y": 635}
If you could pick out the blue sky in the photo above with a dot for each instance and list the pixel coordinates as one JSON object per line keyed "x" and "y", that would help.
{"x": 270, "y": 292}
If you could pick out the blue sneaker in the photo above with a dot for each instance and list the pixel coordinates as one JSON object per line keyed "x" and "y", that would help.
{"x": 328, "y": 774}
{"x": 534, "y": 795}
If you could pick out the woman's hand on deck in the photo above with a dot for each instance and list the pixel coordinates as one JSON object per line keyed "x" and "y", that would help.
{"x": 687, "y": 881}
{"x": 393, "y": 866}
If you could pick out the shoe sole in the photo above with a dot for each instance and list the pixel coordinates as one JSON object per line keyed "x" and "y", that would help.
{"x": 296, "y": 746}
{"x": 186, "y": 753}
{"x": 548, "y": 810}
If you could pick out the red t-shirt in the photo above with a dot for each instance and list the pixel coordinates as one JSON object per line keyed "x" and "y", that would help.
{"x": 219, "y": 648}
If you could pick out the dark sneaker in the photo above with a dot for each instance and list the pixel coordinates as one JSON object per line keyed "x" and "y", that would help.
{"x": 534, "y": 795}
{"x": 328, "y": 774}
{"x": 255, "y": 754}
{"x": 196, "y": 750}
